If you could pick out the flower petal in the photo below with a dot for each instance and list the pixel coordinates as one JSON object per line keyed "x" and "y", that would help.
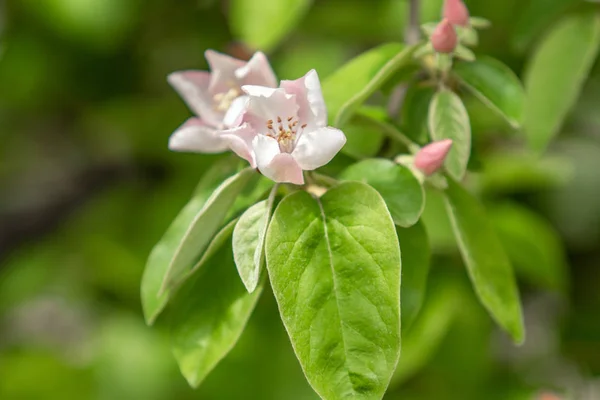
{"x": 223, "y": 69}
{"x": 266, "y": 104}
{"x": 192, "y": 86}
{"x": 195, "y": 136}
{"x": 280, "y": 167}
{"x": 316, "y": 148}
{"x": 239, "y": 140}
{"x": 312, "y": 109}
{"x": 265, "y": 149}
{"x": 257, "y": 71}
{"x": 233, "y": 116}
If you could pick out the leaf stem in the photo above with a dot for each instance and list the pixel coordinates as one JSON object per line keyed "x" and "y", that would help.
{"x": 389, "y": 130}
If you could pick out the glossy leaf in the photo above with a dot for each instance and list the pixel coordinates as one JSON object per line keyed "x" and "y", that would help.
{"x": 334, "y": 265}
{"x": 209, "y": 314}
{"x": 495, "y": 85}
{"x": 356, "y": 81}
{"x": 416, "y": 257}
{"x": 402, "y": 192}
{"x": 556, "y": 73}
{"x": 262, "y": 24}
{"x": 486, "y": 261}
{"x": 448, "y": 119}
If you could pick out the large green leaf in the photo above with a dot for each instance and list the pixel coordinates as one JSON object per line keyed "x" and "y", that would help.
{"x": 535, "y": 17}
{"x": 163, "y": 252}
{"x": 448, "y": 119}
{"x": 415, "y": 109}
{"x": 209, "y": 314}
{"x": 362, "y": 139}
{"x": 416, "y": 257}
{"x": 486, "y": 261}
{"x": 262, "y": 24}
{"x": 495, "y": 85}
{"x": 400, "y": 189}
{"x": 556, "y": 73}
{"x": 351, "y": 85}
{"x": 334, "y": 265}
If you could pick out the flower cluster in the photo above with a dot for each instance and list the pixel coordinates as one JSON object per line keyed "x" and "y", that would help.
{"x": 279, "y": 130}
{"x": 444, "y": 39}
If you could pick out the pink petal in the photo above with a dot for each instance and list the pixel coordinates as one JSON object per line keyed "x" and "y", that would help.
{"x": 266, "y": 104}
{"x": 195, "y": 136}
{"x": 192, "y": 86}
{"x": 223, "y": 69}
{"x": 444, "y": 38}
{"x": 280, "y": 167}
{"x": 233, "y": 117}
{"x": 431, "y": 157}
{"x": 456, "y": 12}
{"x": 316, "y": 148}
{"x": 312, "y": 109}
{"x": 239, "y": 140}
{"x": 257, "y": 71}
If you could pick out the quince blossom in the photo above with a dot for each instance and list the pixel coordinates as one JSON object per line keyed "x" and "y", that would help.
{"x": 284, "y": 131}
{"x": 431, "y": 157}
{"x": 216, "y": 98}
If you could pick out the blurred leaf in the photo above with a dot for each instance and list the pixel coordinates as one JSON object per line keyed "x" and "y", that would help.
{"x": 534, "y": 18}
{"x": 402, "y": 192}
{"x": 556, "y": 73}
{"x": 532, "y": 244}
{"x": 363, "y": 140}
{"x": 416, "y": 257}
{"x": 262, "y": 24}
{"x": 351, "y": 85}
{"x": 448, "y": 119}
{"x": 486, "y": 261}
{"x": 210, "y": 313}
{"x": 320, "y": 54}
{"x": 414, "y": 112}
{"x": 334, "y": 265}
{"x": 437, "y": 224}
{"x": 496, "y": 85}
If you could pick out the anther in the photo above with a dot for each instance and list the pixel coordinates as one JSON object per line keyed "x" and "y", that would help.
{"x": 304, "y": 126}
{"x": 279, "y": 119}
{"x": 290, "y": 118}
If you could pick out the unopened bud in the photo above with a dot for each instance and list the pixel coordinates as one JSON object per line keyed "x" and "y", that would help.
{"x": 456, "y": 12}
{"x": 444, "y": 38}
{"x": 431, "y": 157}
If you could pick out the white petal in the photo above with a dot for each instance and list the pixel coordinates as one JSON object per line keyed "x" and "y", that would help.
{"x": 192, "y": 86}
{"x": 283, "y": 168}
{"x": 233, "y": 116}
{"x": 223, "y": 69}
{"x": 265, "y": 149}
{"x": 316, "y": 148}
{"x": 255, "y": 90}
{"x": 257, "y": 71}
{"x": 239, "y": 140}
{"x": 312, "y": 109}
{"x": 266, "y": 104}
{"x": 197, "y": 137}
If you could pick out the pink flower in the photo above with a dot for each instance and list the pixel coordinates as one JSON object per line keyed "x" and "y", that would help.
{"x": 216, "y": 98}
{"x": 284, "y": 131}
{"x": 444, "y": 38}
{"x": 456, "y": 12}
{"x": 431, "y": 157}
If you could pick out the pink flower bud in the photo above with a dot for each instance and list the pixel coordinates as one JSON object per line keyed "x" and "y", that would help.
{"x": 444, "y": 38}
{"x": 431, "y": 157}
{"x": 456, "y": 12}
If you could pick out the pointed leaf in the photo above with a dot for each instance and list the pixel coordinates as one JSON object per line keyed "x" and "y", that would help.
{"x": 486, "y": 261}
{"x": 448, "y": 119}
{"x": 334, "y": 266}
{"x": 210, "y": 313}
{"x": 556, "y": 74}
{"x": 400, "y": 189}
{"x": 495, "y": 85}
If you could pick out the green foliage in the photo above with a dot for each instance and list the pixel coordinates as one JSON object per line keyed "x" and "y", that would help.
{"x": 334, "y": 264}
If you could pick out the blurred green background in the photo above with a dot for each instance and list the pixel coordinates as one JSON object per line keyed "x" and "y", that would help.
{"x": 88, "y": 186}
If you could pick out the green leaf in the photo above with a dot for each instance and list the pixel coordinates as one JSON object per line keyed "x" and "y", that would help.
{"x": 163, "y": 252}
{"x": 356, "y": 81}
{"x": 495, "y": 85}
{"x": 262, "y": 24}
{"x": 209, "y": 314}
{"x": 416, "y": 257}
{"x": 415, "y": 109}
{"x": 486, "y": 261}
{"x": 532, "y": 244}
{"x": 362, "y": 139}
{"x": 334, "y": 265}
{"x": 536, "y": 17}
{"x": 448, "y": 119}
{"x": 402, "y": 192}
{"x": 203, "y": 227}
{"x": 249, "y": 241}
{"x": 556, "y": 73}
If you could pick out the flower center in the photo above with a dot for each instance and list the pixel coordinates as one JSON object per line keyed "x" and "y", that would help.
{"x": 222, "y": 101}
{"x": 285, "y": 135}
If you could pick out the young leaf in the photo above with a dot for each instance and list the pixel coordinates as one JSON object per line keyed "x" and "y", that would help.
{"x": 416, "y": 256}
{"x": 448, "y": 119}
{"x": 495, "y": 85}
{"x": 556, "y": 74}
{"x": 351, "y": 85}
{"x": 487, "y": 263}
{"x": 209, "y": 315}
{"x": 163, "y": 252}
{"x": 203, "y": 227}
{"x": 334, "y": 265}
{"x": 249, "y": 241}
{"x": 402, "y": 192}
{"x": 262, "y": 24}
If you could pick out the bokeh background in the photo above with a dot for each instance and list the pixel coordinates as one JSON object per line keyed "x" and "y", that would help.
{"x": 87, "y": 186}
